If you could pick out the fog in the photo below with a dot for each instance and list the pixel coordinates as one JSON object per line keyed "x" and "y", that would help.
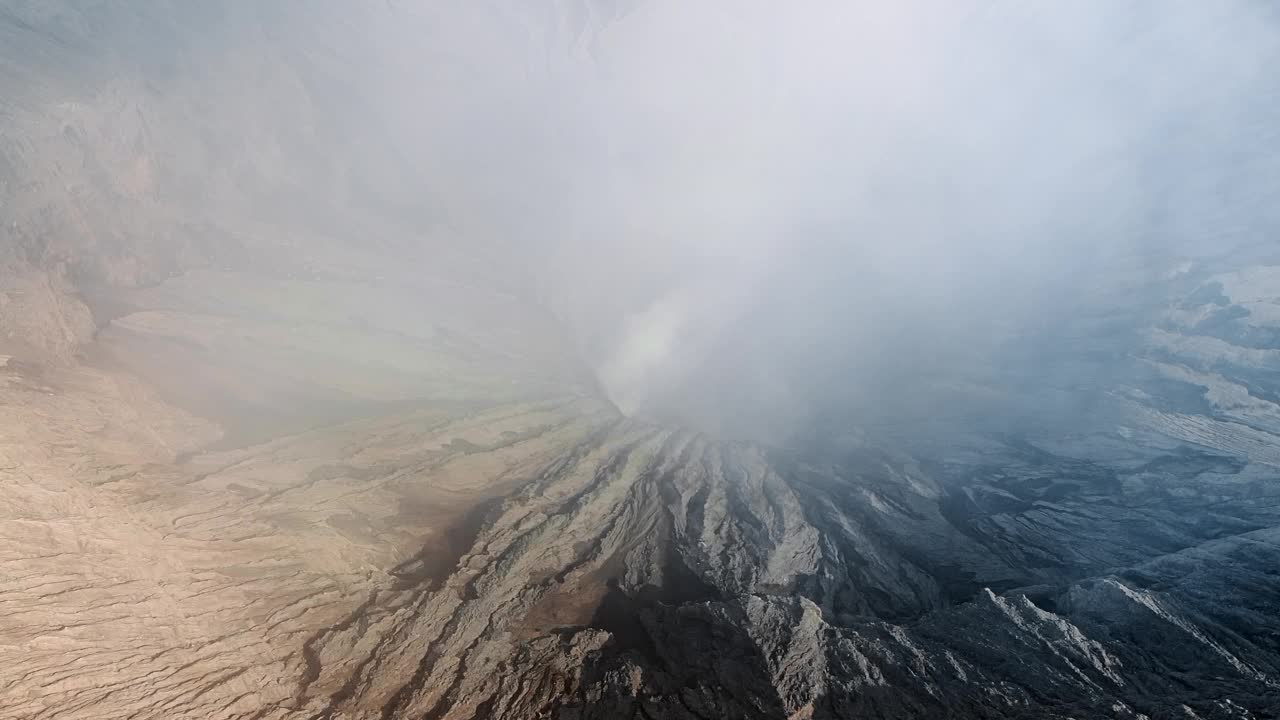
{"x": 755, "y": 209}
{"x": 749, "y": 214}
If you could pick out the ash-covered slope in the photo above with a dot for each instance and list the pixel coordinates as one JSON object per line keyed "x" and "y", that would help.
{"x": 656, "y": 574}
{"x": 287, "y": 432}
{"x": 416, "y": 544}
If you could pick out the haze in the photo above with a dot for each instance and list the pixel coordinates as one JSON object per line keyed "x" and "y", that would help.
{"x": 749, "y": 215}
{"x": 763, "y": 210}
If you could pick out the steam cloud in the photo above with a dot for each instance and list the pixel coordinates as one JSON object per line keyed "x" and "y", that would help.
{"x": 757, "y": 211}
{"x": 787, "y": 197}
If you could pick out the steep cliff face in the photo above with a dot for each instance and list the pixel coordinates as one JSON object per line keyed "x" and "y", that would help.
{"x": 284, "y": 434}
